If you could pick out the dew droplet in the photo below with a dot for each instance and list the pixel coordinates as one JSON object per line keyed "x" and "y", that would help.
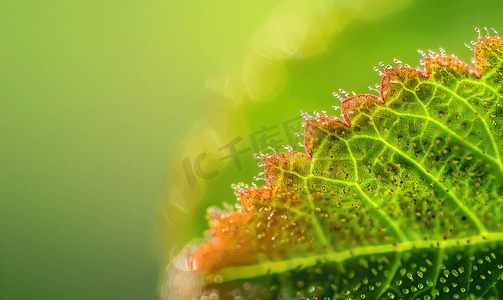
{"x": 495, "y": 32}
{"x": 338, "y": 96}
{"x": 346, "y": 94}
{"x": 373, "y": 89}
{"x": 487, "y": 32}
{"x": 288, "y": 148}
{"x": 306, "y": 116}
{"x": 477, "y": 30}
{"x": 378, "y": 71}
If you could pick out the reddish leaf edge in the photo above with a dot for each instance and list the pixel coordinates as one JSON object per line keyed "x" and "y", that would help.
{"x": 212, "y": 256}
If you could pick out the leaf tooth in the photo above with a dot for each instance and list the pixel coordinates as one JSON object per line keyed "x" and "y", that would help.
{"x": 287, "y": 162}
{"x": 254, "y": 196}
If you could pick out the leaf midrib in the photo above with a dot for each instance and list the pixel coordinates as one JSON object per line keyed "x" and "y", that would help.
{"x": 278, "y": 267}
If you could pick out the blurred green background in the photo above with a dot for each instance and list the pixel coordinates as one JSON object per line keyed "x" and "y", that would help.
{"x": 106, "y": 105}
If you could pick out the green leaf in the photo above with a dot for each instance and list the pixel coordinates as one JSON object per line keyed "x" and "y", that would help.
{"x": 400, "y": 199}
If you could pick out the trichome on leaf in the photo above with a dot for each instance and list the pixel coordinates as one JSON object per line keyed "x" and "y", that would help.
{"x": 400, "y": 199}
